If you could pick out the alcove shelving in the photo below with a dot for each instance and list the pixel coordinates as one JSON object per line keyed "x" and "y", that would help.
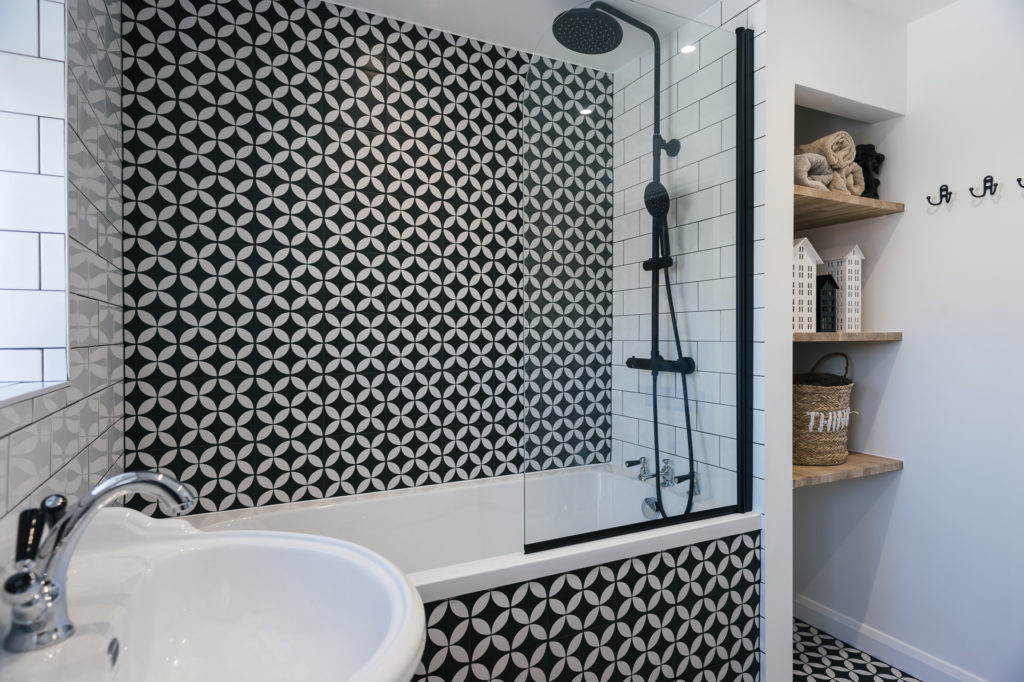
{"x": 857, "y": 465}
{"x": 846, "y": 337}
{"x": 818, "y": 208}
{"x": 815, "y": 208}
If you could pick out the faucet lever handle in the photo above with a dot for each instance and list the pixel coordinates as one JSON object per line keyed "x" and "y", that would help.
{"x": 30, "y": 531}
{"x": 53, "y": 508}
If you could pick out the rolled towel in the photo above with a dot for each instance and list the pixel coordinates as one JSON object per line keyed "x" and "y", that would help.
{"x": 811, "y": 170}
{"x": 837, "y": 148}
{"x": 848, "y": 180}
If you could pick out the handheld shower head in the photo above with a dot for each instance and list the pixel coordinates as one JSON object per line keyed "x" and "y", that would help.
{"x": 587, "y": 30}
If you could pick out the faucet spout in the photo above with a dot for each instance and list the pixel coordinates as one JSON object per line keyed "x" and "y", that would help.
{"x": 37, "y": 591}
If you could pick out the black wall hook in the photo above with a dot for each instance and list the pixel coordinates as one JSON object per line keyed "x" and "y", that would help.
{"x": 944, "y": 196}
{"x": 1019, "y": 182}
{"x": 988, "y": 186}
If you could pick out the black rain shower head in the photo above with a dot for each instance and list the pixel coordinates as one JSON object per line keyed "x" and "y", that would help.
{"x": 587, "y": 30}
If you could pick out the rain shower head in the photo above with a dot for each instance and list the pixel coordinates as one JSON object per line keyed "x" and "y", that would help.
{"x": 587, "y": 30}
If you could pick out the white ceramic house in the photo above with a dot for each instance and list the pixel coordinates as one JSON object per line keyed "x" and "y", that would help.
{"x": 844, "y": 264}
{"x": 806, "y": 262}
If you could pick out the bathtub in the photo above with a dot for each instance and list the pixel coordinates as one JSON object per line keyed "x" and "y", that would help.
{"x": 458, "y": 538}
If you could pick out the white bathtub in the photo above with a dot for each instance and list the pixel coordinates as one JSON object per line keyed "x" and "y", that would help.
{"x": 458, "y": 538}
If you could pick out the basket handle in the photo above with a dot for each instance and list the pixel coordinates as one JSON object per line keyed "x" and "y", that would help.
{"x": 823, "y": 358}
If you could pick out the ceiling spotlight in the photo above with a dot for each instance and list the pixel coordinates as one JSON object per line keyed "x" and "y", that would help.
{"x": 586, "y": 111}
{"x": 687, "y": 49}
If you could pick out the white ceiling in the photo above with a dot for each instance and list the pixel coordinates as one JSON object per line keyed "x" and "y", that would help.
{"x": 526, "y": 24}
{"x": 904, "y": 11}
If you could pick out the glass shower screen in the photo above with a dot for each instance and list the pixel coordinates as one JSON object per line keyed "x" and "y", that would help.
{"x": 610, "y": 202}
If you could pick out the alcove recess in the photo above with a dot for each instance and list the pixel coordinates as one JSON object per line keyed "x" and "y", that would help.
{"x": 833, "y": 219}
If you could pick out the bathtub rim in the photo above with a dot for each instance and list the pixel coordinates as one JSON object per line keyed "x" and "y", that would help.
{"x": 468, "y": 577}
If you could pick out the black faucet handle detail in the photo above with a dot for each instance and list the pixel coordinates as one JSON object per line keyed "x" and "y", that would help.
{"x": 630, "y": 463}
{"x": 30, "y": 532}
{"x": 53, "y": 509}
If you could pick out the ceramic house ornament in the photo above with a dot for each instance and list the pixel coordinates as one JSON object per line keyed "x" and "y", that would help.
{"x": 844, "y": 263}
{"x": 805, "y": 273}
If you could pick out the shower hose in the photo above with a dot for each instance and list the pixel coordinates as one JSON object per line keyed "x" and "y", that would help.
{"x": 662, "y": 235}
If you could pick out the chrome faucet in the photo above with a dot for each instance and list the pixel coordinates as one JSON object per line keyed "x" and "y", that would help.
{"x": 37, "y": 590}
{"x": 642, "y": 463}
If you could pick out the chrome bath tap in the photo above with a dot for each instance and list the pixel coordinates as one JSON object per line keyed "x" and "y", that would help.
{"x": 36, "y": 591}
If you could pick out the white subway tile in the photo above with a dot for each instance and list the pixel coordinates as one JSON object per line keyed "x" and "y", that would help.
{"x": 700, "y": 205}
{"x": 682, "y": 240}
{"x": 637, "y": 249}
{"x": 699, "y": 85}
{"x": 19, "y": 143}
{"x": 626, "y": 123}
{"x": 34, "y": 203}
{"x": 718, "y": 106}
{"x": 638, "y": 91}
{"x": 19, "y": 26}
{"x": 51, "y": 30}
{"x": 700, "y": 265}
{"x": 51, "y": 145}
{"x": 31, "y": 86}
{"x": 53, "y": 262}
{"x": 626, "y": 225}
{"x": 700, "y": 326}
{"x": 55, "y": 364}
{"x": 19, "y": 260}
{"x": 717, "y": 232}
{"x": 625, "y": 428}
{"x": 727, "y": 388}
{"x": 716, "y": 356}
{"x": 757, "y": 20}
{"x": 718, "y": 294}
{"x": 718, "y": 169}
{"x": 33, "y": 319}
{"x": 21, "y": 365}
{"x": 702, "y": 144}
{"x": 716, "y": 45}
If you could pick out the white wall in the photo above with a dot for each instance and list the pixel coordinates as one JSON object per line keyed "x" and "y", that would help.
{"x": 923, "y": 567}
{"x": 816, "y": 46}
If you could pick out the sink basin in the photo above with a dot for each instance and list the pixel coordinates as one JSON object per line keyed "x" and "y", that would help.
{"x": 183, "y": 604}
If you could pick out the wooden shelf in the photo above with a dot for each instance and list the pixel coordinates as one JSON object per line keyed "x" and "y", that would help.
{"x": 818, "y": 208}
{"x": 857, "y": 465}
{"x": 846, "y": 337}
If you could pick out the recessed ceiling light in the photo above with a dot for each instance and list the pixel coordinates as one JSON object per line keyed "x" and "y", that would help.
{"x": 586, "y": 111}
{"x": 687, "y": 49}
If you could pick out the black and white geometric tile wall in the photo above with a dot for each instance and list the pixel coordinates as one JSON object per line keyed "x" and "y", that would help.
{"x": 685, "y": 614}
{"x": 324, "y": 243}
{"x": 567, "y": 264}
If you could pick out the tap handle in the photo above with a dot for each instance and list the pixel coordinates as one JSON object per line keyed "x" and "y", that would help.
{"x": 53, "y": 509}
{"x": 630, "y": 463}
{"x": 30, "y": 531}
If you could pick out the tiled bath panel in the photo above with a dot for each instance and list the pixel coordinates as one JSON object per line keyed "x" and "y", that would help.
{"x": 689, "y": 613}
{"x": 324, "y": 269}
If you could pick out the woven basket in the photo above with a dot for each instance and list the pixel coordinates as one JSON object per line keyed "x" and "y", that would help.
{"x": 821, "y": 415}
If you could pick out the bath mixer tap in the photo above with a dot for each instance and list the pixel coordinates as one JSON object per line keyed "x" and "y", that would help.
{"x": 36, "y": 591}
{"x": 642, "y": 463}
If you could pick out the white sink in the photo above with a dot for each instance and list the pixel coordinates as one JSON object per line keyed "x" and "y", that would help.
{"x": 185, "y": 605}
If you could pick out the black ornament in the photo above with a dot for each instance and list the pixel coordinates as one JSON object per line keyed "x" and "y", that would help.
{"x": 827, "y": 301}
